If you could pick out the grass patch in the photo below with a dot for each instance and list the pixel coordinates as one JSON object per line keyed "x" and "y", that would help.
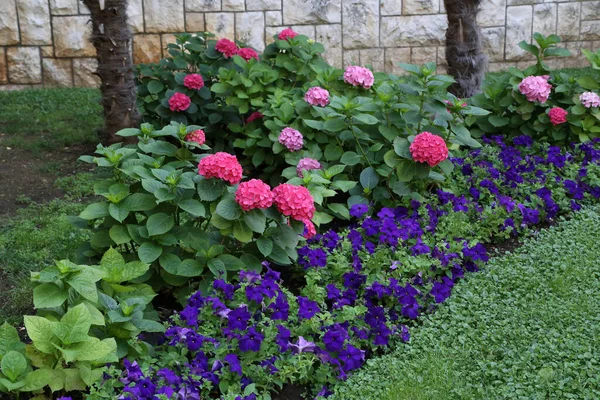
{"x": 527, "y": 327}
{"x": 44, "y": 119}
{"x": 36, "y": 237}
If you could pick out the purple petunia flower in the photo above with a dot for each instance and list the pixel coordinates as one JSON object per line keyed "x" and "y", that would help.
{"x": 251, "y": 341}
{"x": 307, "y": 308}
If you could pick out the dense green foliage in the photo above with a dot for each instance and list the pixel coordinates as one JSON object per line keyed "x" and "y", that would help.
{"x": 526, "y": 327}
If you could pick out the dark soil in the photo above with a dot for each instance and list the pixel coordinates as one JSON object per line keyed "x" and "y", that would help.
{"x": 26, "y": 177}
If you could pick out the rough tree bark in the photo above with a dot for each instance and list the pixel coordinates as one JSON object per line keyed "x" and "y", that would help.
{"x": 466, "y": 62}
{"x": 111, "y": 37}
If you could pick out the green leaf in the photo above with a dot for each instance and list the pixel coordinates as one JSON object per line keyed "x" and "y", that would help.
{"x": 84, "y": 283}
{"x": 192, "y": 206}
{"x": 334, "y": 124}
{"x": 210, "y": 189}
{"x": 155, "y": 86}
{"x": 339, "y": 209}
{"x": 190, "y": 268}
{"x": 229, "y": 209}
{"x": 41, "y": 332}
{"x": 94, "y": 211}
{"x": 129, "y": 132}
{"x": 13, "y": 365}
{"x": 74, "y": 325}
{"x": 138, "y": 202}
{"x": 587, "y": 82}
{"x": 344, "y": 186}
{"x": 366, "y": 119}
{"x": 402, "y": 148}
{"x": 92, "y": 350}
{"x": 146, "y": 325}
{"x": 265, "y": 246}
{"x": 447, "y": 166}
{"x": 38, "y": 379}
{"x": 9, "y": 339}
{"x": 48, "y": 295}
{"x": 119, "y": 234}
{"x": 498, "y": 121}
{"x": 557, "y": 52}
{"x": 149, "y": 251}
{"x": 529, "y": 48}
{"x": 117, "y": 212}
{"x": 256, "y": 220}
{"x": 241, "y": 231}
{"x": 350, "y": 158}
{"x": 231, "y": 263}
{"x": 160, "y": 223}
{"x": 217, "y": 267}
{"x": 369, "y": 178}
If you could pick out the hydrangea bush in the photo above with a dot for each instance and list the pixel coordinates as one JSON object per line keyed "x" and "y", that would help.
{"x": 288, "y": 104}
{"x": 546, "y": 105}
{"x": 363, "y": 287}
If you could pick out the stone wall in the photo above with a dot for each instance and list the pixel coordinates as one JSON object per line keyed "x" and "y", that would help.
{"x": 45, "y": 42}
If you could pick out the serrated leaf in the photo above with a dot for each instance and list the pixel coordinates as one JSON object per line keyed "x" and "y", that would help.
{"x": 13, "y": 365}
{"x": 41, "y": 332}
{"x": 210, "y": 189}
{"x": 38, "y": 379}
{"x": 74, "y": 325}
{"x": 84, "y": 283}
{"x": 159, "y": 224}
{"x": 9, "y": 339}
{"x": 48, "y": 295}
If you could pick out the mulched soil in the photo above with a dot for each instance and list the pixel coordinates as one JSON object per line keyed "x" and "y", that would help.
{"x": 23, "y": 175}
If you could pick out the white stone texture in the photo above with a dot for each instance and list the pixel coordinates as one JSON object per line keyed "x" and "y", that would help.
{"x": 373, "y": 57}
{"x": 312, "y": 11}
{"x": 57, "y": 72}
{"x": 202, "y": 5}
{"x": 394, "y": 56}
{"x": 146, "y": 49}
{"x": 544, "y": 18}
{"x": 72, "y": 36}
{"x": 34, "y": 22}
{"x": 351, "y": 57}
{"x": 263, "y": 5}
{"x": 221, "y": 24}
{"x": 331, "y": 38}
{"x": 518, "y": 28}
{"x": 84, "y": 72}
{"x": 590, "y": 10}
{"x": 361, "y": 24}
{"x": 194, "y": 22}
{"x": 24, "y": 65}
{"x": 233, "y": 5}
{"x": 590, "y": 30}
{"x": 135, "y": 16}
{"x": 9, "y": 24}
{"x": 273, "y": 18}
{"x": 568, "y": 23}
{"x": 492, "y": 13}
{"x": 493, "y": 42}
{"x": 411, "y": 7}
{"x": 421, "y": 30}
{"x": 164, "y": 16}
{"x": 306, "y": 30}
{"x": 250, "y": 29}
{"x": 63, "y": 7}
{"x": 390, "y": 7}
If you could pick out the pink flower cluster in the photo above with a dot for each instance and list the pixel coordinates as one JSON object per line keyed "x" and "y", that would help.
{"x": 254, "y": 194}
{"x": 296, "y": 202}
{"x": 226, "y": 47}
{"x": 557, "y": 115}
{"x": 429, "y": 148}
{"x": 254, "y": 116}
{"x": 286, "y": 34}
{"x": 196, "y": 136}
{"x": 193, "y": 81}
{"x": 536, "y": 88}
{"x": 221, "y": 165}
{"x": 359, "y": 76}
{"x": 590, "y": 99}
{"x": 179, "y": 102}
{"x": 291, "y": 139}
{"x": 307, "y": 164}
{"x": 247, "y": 53}
{"x": 317, "y": 96}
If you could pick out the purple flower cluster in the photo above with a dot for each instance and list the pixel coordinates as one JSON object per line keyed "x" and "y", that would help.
{"x": 365, "y": 285}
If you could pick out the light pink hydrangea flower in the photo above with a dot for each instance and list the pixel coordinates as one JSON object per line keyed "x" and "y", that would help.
{"x": 291, "y": 139}
{"x": 590, "y": 99}
{"x": 307, "y": 164}
{"x": 536, "y": 88}
{"x": 317, "y": 96}
{"x": 359, "y": 76}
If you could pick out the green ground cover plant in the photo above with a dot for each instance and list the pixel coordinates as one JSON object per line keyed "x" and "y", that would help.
{"x": 526, "y": 327}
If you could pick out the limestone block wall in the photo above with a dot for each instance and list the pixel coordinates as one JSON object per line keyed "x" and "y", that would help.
{"x": 46, "y": 42}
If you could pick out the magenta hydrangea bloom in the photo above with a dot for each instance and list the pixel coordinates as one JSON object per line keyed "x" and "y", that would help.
{"x": 286, "y": 34}
{"x": 307, "y": 164}
{"x": 226, "y": 47}
{"x": 536, "y": 88}
{"x": 291, "y": 139}
{"x": 317, "y": 96}
{"x": 179, "y": 102}
{"x": 590, "y": 99}
{"x": 193, "y": 81}
{"x": 254, "y": 194}
{"x": 221, "y": 165}
{"x": 428, "y": 148}
{"x": 558, "y": 115}
{"x": 247, "y": 53}
{"x": 359, "y": 76}
{"x": 196, "y": 136}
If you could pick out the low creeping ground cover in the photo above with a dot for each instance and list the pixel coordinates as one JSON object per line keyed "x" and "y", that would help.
{"x": 527, "y": 327}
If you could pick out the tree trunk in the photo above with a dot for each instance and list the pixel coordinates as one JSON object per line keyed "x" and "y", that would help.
{"x": 111, "y": 37}
{"x": 466, "y": 62}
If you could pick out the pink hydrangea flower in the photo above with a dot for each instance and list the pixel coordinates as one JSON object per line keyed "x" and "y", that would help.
{"x": 247, "y": 53}
{"x": 196, "y": 136}
{"x": 536, "y": 88}
{"x": 297, "y": 203}
{"x": 307, "y": 164}
{"x": 254, "y": 116}
{"x": 291, "y": 138}
{"x": 557, "y": 115}
{"x": 590, "y": 99}
{"x": 429, "y": 148}
{"x": 221, "y": 165}
{"x": 254, "y": 194}
{"x": 226, "y": 47}
{"x": 286, "y": 34}
{"x": 310, "y": 229}
{"x": 359, "y": 76}
{"x": 179, "y": 102}
{"x": 317, "y": 96}
{"x": 193, "y": 81}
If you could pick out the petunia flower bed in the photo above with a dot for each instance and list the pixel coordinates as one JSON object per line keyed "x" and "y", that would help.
{"x": 363, "y": 287}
